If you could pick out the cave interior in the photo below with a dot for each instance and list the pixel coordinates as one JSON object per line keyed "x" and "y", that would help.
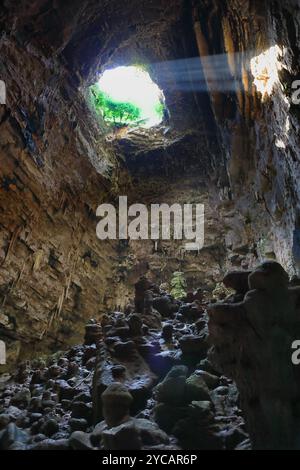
{"x": 124, "y": 343}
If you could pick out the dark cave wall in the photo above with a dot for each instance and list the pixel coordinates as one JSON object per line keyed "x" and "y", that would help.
{"x": 174, "y": 176}
{"x": 261, "y": 137}
{"x": 55, "y": 170}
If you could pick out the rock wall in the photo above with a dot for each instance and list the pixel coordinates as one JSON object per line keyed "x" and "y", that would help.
{"x": 227, "y": 243}
{"x": 55, "y": 170}
{"x": 252, "y": 341}
{"x": 253, "y": 204}
{"x": 259, "y": 129}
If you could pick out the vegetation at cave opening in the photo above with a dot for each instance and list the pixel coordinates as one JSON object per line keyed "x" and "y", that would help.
{"x": 115, "y": 112}
{"x": 127, "y": 96}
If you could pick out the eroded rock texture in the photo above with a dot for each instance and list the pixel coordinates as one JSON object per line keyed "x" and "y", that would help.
{"x": 135, "y": 389}
{"x": 252, "y": 344}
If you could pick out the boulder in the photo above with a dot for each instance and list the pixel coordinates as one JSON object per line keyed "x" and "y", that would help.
{"x": 96, "y": 435}
{"x": 172, "y": 389}
{"x": 21, "y": 399}
{"x": 166, "y": 416}
{"x": 80, "y": 441}
{"x": 193, "y": 345}
{"x": 5, "y": 419}
{"x": 78, "y": 424}
{"x": 167, "y": 332}
{"x": 11, "y": 435}
{"x": 134, "y": 434}
{"x": 238, "y": 281}
{"x": 196, "y": 389}
{"x": 116, "y": 401}
{"x": 135, "y": 324}
{"x": 93, "y": 333}
{"x": 80, "y": 409}
{"x": 51, "y": 444}
{"x": 124, "y": 349}
{"x": 126, "y": 436}
{"x": 165, "y": 306}
{"x": 201, "y": 410}
{"x": 212, "y": 381}
{"x": 50, "y": 427}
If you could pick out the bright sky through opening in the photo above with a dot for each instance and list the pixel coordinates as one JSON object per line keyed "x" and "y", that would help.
{"x": 134, "y": 85}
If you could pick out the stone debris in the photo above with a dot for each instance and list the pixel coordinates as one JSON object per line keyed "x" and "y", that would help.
{"x": 135, "y": 383}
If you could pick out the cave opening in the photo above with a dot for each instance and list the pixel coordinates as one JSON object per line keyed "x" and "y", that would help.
{"x": 126, "y": 96}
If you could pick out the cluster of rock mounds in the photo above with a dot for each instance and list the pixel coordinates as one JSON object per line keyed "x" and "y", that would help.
{"x": 142, "y": 380}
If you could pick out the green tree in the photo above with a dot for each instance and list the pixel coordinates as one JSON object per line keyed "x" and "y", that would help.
{"x": 115, "y": 112}
{"x": 178, "y": 285}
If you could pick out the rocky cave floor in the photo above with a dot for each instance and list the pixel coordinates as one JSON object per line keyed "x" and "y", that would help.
{"x": 140, "y": 381}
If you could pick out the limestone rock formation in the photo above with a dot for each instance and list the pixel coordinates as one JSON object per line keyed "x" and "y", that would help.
{"x": 92, "y": 397}
{"x": 116, "y": 401}
{"x": 252, "y": 344}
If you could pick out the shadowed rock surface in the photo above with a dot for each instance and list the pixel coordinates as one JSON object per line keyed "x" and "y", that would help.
{"x": 252, "y": 345}
{"x": 155, "y": 394}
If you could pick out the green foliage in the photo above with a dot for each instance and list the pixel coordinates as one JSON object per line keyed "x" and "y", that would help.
{"x": 178, "y": 285}
{"x": 115, "y": 112}
{"x": 159, "y": 109}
